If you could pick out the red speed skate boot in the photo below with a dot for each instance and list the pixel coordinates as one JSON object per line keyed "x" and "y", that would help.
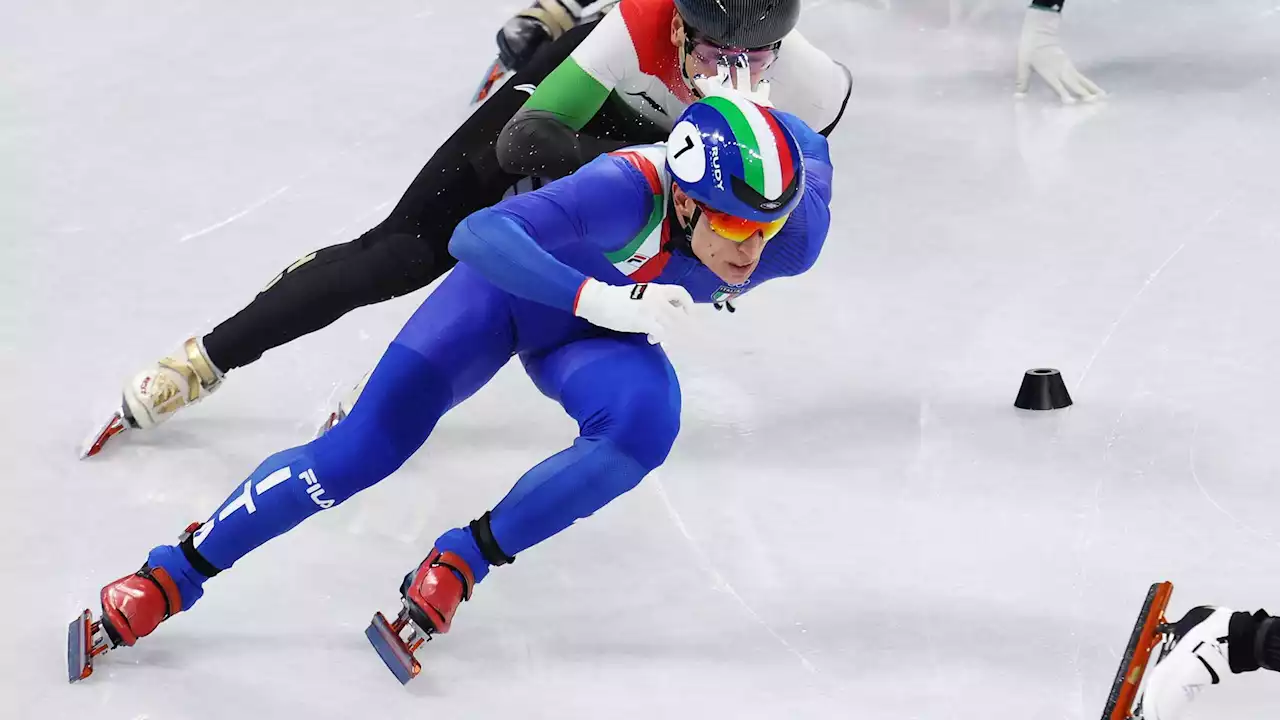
{"x": 433, "y": 592}
{"x": 431, "y": 595}
{"x": 132, "y": 607}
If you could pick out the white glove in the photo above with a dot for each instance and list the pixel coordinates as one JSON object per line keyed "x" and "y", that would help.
{"x": 647, "y": 308}
{"x": 1041, "y": 51}
{"x": 735, "y": 81}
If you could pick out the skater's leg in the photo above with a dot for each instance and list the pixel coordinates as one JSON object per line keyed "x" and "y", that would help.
{"x": 405, "y": 252}
{"x": 1201, "y": 650}
{"x": 624, "y": 394}
{"x": 460, "y": 336}
{"x": 1254, "y": 642}
{"x": 323, "y": 286}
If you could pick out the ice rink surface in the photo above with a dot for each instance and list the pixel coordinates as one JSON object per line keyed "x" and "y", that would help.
{"x": 855, "y": 523}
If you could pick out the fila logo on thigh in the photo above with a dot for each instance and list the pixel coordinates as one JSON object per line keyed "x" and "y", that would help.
{"x": 245, "y": 499}
{"x": 315, "y": 490}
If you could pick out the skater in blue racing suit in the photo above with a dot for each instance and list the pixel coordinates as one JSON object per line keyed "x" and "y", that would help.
{"x": 580, "y": 279}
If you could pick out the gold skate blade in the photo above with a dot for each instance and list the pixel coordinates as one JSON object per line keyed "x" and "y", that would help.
{"x": 1143, "y": 640}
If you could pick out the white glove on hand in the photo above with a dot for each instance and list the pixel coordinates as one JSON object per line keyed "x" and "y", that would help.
{"x": 1041, "y": 51}
{"x": 735, "y": 81}
{"x": 647, "y": 308}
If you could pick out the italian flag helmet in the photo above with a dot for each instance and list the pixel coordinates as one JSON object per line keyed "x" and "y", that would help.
{"x": 732, "y": 156}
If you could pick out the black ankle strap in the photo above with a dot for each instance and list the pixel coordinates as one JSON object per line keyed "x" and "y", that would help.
{"x": 483, "y": 535}
{"x": 188, "y": 546}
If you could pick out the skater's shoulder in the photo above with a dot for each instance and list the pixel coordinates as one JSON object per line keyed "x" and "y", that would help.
{"x": 605, "y": 203}
{"x": 810, "y": 83}
{"x": 635, "y": 36}
{"x": 647, "y": 162}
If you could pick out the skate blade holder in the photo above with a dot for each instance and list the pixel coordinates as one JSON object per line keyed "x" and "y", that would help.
{"x": 117, "y": 423}
{"x": 1146, "y": 636}
{"x": 85, "y": 641}
{"x": 395, "y": 646}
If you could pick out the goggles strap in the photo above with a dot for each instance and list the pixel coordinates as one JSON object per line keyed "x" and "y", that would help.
{"x": 686, "y": 49}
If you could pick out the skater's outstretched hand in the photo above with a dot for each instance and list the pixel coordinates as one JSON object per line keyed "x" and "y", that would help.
{"x": 1040, "y": 50}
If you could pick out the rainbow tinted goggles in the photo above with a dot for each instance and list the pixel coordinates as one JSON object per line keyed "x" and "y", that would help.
{"x": 710, "y": 54}
{"x": 731, "y": 227}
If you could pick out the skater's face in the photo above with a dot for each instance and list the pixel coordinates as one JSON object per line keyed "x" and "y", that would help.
{"x": 732, "y": 262}
{"x": 703, "y": 58}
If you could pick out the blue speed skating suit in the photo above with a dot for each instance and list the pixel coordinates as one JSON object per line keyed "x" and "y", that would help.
{"x": 512, "y": 294}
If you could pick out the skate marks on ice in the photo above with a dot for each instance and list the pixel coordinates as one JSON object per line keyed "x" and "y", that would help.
{"x": 392, "y": 127}
{"x": 1194, "y": 236}
{"x": 235, "y": 217}
{"x": 300, "y": 180}
{"x": 1195, "y": 476}
{"x": 1162, "y": 72}
{"x": 1091, "y": 527}
{"x": 720, "y": 583}
{"x": 1092, "y": 524}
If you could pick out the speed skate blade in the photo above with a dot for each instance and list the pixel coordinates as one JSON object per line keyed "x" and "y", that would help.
{"x": 114, "y": 425}
{"x": 399, "y": 660}
{"x": 1146, "y": 635}
{"x": 80, "y": 647}
{"x": 334, "y": 418}
{"x": 493, "y": 79}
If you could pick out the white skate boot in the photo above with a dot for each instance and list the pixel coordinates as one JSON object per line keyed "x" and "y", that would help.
{"x": 156, "y": 393}
{"x": 1192, "y": 657}
{"x": 345, "y": 403}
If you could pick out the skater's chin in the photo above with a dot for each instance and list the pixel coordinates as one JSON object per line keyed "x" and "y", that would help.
{"x": 737, "y": 273}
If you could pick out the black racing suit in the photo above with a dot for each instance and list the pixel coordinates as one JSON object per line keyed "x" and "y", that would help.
{"x": 410, "y": 248}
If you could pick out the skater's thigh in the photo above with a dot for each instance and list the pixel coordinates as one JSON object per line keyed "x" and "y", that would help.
{"x": 618, "y": 386}
{"x": 463, "y": 331}
{"x": 458, "y": 338}
{"x": 461, "y": 177}
{"x": 449, "y": 187}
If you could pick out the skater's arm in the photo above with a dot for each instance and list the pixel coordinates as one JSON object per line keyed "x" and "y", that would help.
{"x": 544, "y": 137}
{"x": 499, "y": 246}
{"x": 599, "y": 208}
{"x": 809, "y": 83}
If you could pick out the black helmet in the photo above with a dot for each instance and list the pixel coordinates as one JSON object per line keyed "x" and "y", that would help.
{"x": 741, "y": 23}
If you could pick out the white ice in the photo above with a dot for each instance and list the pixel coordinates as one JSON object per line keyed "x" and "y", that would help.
{"x": 855, "y": 522}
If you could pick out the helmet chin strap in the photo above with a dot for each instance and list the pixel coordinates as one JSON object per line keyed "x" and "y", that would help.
{"x": 681, "y": 235}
